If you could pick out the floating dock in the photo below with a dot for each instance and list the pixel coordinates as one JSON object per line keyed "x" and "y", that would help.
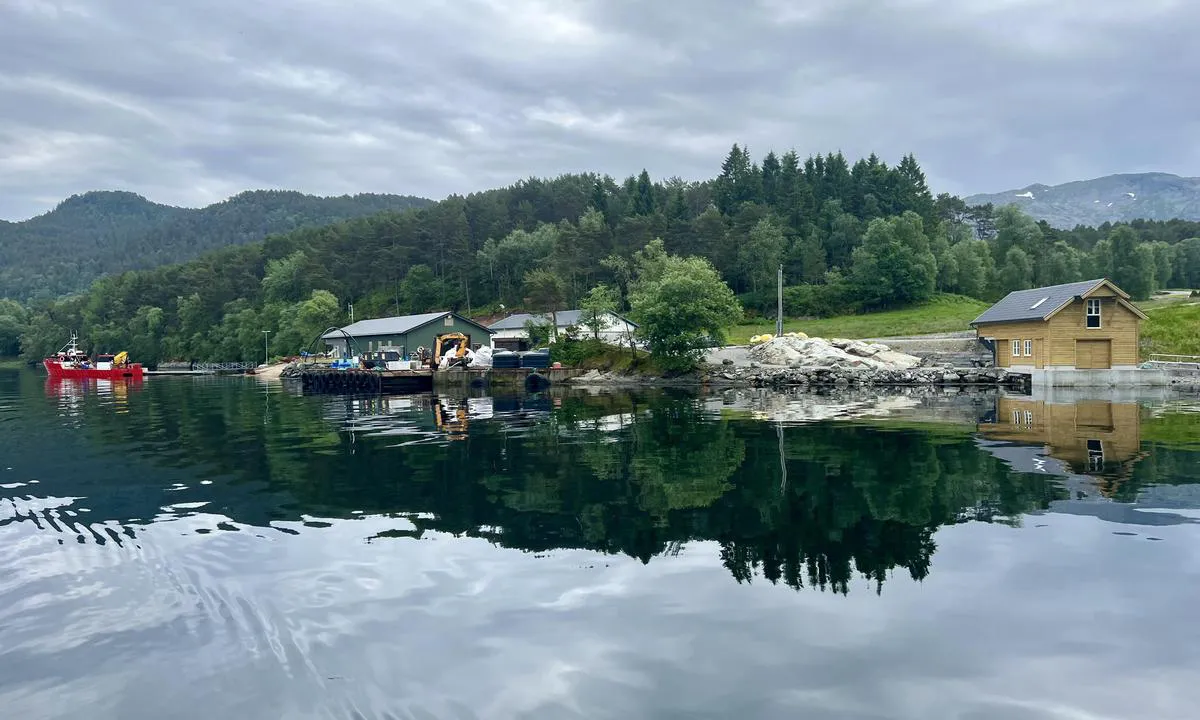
{"x": 353, "y": 381}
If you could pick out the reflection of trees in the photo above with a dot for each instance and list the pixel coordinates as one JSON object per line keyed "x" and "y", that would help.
{"x": 632, "y": 473}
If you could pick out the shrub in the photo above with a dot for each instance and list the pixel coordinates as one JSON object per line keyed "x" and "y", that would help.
{"x": 574, "y": 351}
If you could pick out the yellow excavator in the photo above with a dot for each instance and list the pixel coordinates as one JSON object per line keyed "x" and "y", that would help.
{"x": 455, "y": 344}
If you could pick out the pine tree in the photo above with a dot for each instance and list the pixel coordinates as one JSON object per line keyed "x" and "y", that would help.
{"x": 771, "y": 177}
{"x": 643, "y": 197}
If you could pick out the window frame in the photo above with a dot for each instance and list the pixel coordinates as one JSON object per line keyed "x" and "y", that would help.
{"x": 1095, "y": 451}
{"x": 1088, "y": 314}
{"x": 1028, "y": 348}
{"x": 1016, "y": 348}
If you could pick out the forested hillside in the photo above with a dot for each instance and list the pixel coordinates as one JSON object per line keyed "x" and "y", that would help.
{"x": 851, "y": 237}
{"x": 99, "y": 233}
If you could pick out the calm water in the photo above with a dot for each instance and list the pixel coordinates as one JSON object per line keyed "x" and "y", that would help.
{"x": 228, "y": 549}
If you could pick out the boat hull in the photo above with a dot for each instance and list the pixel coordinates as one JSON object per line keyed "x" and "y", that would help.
{"x": 56, "y": 370}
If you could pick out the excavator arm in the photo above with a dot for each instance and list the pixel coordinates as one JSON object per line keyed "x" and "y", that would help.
{"x": 443, "y": 340}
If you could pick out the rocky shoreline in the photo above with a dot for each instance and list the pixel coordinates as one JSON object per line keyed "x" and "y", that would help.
{"x": 796, "y": 360}
{"x": 764, "y": 376}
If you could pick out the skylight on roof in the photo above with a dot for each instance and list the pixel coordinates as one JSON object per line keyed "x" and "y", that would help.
{"x": 1039, "y": 302}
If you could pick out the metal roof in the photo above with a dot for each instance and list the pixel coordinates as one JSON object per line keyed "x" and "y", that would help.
{"x": 1035, "y": 304}
{"x": 391, "y": 325}
{"x": 517, "y": 321}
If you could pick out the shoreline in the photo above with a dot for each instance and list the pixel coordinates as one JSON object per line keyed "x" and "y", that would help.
{"x": 756, "y": 375}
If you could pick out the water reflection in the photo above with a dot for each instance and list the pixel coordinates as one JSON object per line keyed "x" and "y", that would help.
{"x": 1096, "y": 438}
{"x": 638, "y": 474}
{"x": 227, "y": 547}
{"x": 71, "y": 394}
{"x": 835, "y": 486}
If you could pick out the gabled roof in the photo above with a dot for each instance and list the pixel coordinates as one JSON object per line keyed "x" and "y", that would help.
{"x": 392, "y": 325}
{"x": 566, "y": 318}
{"x": 1042, "y": 303}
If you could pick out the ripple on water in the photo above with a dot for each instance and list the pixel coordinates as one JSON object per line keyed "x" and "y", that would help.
{"x": 520, "y": 575}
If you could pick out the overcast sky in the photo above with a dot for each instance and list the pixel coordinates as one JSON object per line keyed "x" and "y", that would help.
{"x": 189, "y": 102}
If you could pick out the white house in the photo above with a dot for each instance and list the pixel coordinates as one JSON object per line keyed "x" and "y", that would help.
{"x": 510, "y": 333}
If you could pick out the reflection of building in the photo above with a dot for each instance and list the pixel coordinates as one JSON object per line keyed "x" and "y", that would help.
{"x": 1088, "y": 437}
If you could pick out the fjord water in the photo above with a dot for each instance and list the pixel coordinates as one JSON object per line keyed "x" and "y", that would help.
{"x": 210, "y": 548}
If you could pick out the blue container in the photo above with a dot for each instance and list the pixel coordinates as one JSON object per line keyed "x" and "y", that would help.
{"x": 536, "y": 359}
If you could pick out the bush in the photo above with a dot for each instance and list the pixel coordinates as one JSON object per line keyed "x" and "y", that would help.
{"x": 819, "y": 300}
{"x": 571, "y": 351}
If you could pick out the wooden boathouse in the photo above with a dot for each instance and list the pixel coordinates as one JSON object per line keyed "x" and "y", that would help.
{"x": 1083, "y": 333}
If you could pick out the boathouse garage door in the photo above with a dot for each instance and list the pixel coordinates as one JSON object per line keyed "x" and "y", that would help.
{"x": 1093, "y": 354}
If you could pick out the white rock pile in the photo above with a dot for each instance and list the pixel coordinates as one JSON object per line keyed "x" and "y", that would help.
{"x": 801, "y": 352}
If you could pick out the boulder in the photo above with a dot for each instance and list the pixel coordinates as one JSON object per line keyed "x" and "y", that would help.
{"x": 840, "y": 353}
{"x": 861, "y": 349}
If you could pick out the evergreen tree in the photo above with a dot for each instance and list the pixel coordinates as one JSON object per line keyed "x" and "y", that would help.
{"x": 772, "y": 172}
{"x": 643, "y": 196}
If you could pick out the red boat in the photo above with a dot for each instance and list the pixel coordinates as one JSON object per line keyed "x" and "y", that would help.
{"x": 72, "y": 364}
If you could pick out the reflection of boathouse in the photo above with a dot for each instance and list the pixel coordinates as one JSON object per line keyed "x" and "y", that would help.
{"x": 1095, "y": 438}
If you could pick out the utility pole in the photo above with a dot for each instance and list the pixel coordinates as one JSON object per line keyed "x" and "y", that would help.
{"x": 779, "y": 309}
{"x": 266, "y": 348}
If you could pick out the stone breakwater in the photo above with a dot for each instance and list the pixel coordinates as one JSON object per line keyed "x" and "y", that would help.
{"x": 775, "y": 377}
{"x": 792, "y": 361}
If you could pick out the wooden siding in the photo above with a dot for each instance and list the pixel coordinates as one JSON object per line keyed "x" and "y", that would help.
{"x": 1005, "y": 333}
{"x": 1093, "y": 354}
{"x": 1117, "y": 324}
{"x": 1055, "y": 340}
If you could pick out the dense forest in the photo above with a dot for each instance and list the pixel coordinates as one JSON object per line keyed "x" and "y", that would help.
{"x": 100, "y": 233}
{"x": 851, "y": 237}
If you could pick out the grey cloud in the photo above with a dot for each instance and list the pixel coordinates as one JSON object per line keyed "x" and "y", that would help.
{"x": 188, "y": 103}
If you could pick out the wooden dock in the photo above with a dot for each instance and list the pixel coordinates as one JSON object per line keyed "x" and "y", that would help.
{"x": 372, "y": 382}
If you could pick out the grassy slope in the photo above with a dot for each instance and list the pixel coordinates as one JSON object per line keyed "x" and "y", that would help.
{"x": 944, "y": 313}
{"x": 1173, "y": 330}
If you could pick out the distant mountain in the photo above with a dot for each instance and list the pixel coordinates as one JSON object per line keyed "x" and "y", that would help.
{"x": 101, "y": 232}
{"x": 1113, "y": 198}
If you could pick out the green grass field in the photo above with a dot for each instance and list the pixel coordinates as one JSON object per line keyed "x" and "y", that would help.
{"x": 1173, "y": 330}
{"x": 944, "y": 313}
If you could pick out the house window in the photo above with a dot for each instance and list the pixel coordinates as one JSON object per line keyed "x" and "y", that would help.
{"x": 1095, "y": 450}
{"x": 449, "y": 321}
{"x": 1093, "y": 312}
{"x": 1028, "y": 348}
{"x": 1029, "y": 418}
{"x": 1016, "y": 348}
{"x": 1016, "y": 417}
